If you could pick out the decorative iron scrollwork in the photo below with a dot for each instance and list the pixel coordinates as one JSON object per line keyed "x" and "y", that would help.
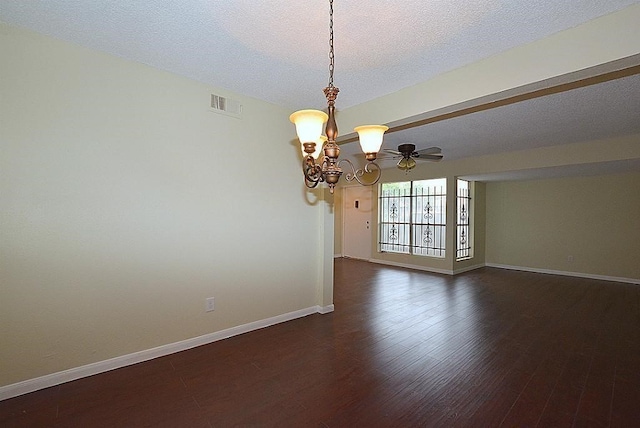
{"x": 427, "y": 236}
{"x": 393, "y": 210}
{"x": 393, "y": 233}
{"x": 428, "y": 211}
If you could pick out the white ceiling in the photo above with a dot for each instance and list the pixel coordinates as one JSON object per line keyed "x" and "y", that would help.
{"x": 277, "y": 51}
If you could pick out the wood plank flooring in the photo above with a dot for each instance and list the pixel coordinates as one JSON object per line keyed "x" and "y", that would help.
{"x": 487, "y": 348}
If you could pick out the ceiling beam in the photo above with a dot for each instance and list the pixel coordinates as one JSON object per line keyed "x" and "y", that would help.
{"x": 600, "y": 50}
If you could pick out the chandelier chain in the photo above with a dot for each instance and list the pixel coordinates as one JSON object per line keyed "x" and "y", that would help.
{"x": 331, "y": 55}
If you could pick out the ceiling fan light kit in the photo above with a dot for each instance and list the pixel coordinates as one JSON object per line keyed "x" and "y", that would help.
{"x": 408, "y": 155}
{"x": 309, "y": 130}
{"x": 406, "y": 164}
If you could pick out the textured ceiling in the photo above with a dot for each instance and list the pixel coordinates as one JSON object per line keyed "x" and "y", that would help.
{"x": 277, "y": 51}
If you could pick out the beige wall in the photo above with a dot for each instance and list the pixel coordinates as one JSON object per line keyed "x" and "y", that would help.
{"x": 126, "y": 202}
{"x": 589, "y": 225}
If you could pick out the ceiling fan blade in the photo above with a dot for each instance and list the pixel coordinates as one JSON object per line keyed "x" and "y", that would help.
{"x": 385, "y": 157}
{"x": 434, "y": 158}
{"x": 393, "y": 152}
{"x": 429, "y": 151}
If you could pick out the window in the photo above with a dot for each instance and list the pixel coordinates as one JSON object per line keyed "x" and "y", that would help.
{"x": 463, "y": 241}
{"x": 412, "y": 217}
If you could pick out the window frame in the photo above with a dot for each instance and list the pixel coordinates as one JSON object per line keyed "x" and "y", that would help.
{"x": 464, "y": 221}
{"x": 409, "y": 218}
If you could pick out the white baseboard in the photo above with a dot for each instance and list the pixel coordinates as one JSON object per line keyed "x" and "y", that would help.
{"x": 53, "y": 379}
{"x": 325, "y": 309}
{"x": 566, "y": 273}
{"x": 410, "y": 266}
{"x": 501, "y": 266}
{"x": 362, "y": 259}
{"x": 428, "y": 269}
{"x": 468, "y": 268}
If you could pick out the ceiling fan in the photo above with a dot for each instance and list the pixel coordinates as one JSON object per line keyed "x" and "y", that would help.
{"x": 408, "y": 155}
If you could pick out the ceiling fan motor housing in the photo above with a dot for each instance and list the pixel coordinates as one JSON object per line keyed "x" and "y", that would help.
{"x": 407, "y": 149}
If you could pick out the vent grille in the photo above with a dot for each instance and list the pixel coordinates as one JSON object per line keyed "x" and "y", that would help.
{"x": 226, "y": 106}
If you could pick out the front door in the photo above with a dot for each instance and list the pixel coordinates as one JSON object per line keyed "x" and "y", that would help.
{"x": 357, "y": 225}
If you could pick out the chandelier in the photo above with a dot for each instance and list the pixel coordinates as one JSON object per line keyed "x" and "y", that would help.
{"x": 309, "y": 129}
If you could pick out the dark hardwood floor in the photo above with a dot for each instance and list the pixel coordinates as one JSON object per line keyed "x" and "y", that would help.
{"x": 487, "y": 348}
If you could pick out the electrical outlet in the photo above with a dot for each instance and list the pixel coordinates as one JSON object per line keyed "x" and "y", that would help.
{"x": 570, "y": 259}
{"x": 209, "y": 304}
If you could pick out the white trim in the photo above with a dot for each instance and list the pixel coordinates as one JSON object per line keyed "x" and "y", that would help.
{"x": 408, "y": 266}
{"x": 338, "y": 256}
{"x": 357, "y": 258}
{"x": 468, "y": 268}
{"x": 53, "y": 379}
{"x": 500, "y": 266}
{"x": 566, "y": 273}
{"x": 325, "y": 309}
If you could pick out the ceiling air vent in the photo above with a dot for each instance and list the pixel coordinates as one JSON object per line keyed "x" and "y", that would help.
{"x": 226, "y": 106}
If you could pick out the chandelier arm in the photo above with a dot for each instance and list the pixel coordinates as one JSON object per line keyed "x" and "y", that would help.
{"x": 311, "y": 184}
{"x": 357, "y": 173}
{"x": 312, "y": 172}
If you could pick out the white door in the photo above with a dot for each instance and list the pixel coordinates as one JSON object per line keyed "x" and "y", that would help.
{"x": 358, "y": 219}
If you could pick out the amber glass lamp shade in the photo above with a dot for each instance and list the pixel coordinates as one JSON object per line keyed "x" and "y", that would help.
{"x": 309, "y": 124}
{"x": 371, "y": 137}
